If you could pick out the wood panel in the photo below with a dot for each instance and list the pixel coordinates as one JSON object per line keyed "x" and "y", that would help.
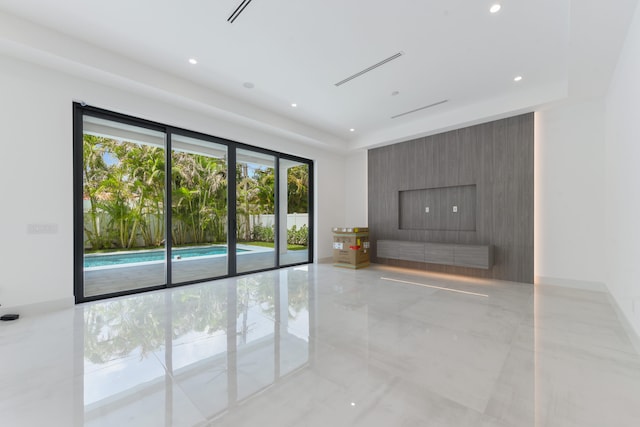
{"x": 474, "y": 256}
{"x": 401, "y": 250}
{"x": 438, "y": 253}
{"x": 439, "y": 201}
{"x": 496, "y": 157}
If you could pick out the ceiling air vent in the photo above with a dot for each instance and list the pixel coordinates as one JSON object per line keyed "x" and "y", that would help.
{"x": 238, "y": 11}
{"x": 366, "y": 70}
{"x": 420, "y": 109}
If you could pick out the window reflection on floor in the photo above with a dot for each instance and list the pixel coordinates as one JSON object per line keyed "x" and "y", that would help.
{"x": 151, "y": 356}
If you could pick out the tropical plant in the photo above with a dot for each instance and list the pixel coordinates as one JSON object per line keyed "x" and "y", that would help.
{"x": 124, "y": 190}
{"x": 262, "y": 233}
{"x": 94, "y": 172}
{"x": 264, "y": 182}
{"x": 199, "y": 198}
{"x": 249, "y": 196}
{"x": 298, "y": 189}
{"x": 297, "y": 236}
{"x": 146, "y": 165}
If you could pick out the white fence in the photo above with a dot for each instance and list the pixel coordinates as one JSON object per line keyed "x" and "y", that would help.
{"x": 297, "y": 219}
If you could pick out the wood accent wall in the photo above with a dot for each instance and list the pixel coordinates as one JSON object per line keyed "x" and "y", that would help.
{"x": 496, "y": 157}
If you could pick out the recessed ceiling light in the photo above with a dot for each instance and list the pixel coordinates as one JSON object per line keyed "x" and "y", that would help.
{"x": 193, "y": 61}
{"x": 352, "y": 130}
{"x": 517, "y": 78}
{"x": 294, "y": 105}
{"x": 248, "y": 85}
{"x": 495, "y": 8}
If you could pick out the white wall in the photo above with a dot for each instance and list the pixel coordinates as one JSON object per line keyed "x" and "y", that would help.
{"x": 569, "y": 194}
{"x": 622, "y": 216}
{"x": 36, "y": 172}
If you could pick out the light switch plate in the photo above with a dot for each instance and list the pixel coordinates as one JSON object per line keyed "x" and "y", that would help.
{"x": 426, "y": 209}
{"x": 455, "y": 209}
{"x": 50, "y": 228}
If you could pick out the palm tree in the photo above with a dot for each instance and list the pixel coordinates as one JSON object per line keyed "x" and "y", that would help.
{"x": 199, "y": 197}
{"x": 247, "y": 191}
{"x": 298, "y": 189}
{"x": 265, "y": 190}
{"x": 146, "y": 164}
{"x": 94, "y": 173}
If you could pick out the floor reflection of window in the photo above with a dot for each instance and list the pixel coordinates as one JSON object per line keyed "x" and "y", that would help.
{"x": 173, "y": 351}
{"x": 123, "y": 377}
{"x": 199, "y": 346}
{"x": 294, "y": 320}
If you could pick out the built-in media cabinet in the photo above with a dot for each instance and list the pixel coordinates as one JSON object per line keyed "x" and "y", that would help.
{"x": 475, "y": 256}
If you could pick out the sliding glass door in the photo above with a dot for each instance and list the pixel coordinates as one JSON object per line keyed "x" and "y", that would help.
{"x": 294, "y": 211}
{"x": 255, "y": 211}
{"x": 156, "y": 206}
{"x": 123, "y": 199}
{"x": 198, "y": 209}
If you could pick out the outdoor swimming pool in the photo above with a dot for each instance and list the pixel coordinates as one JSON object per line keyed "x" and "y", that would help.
{"x": 102, "y": 260}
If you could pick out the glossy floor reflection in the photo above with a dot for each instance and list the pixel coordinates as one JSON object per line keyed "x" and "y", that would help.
{"x": 317, "y": 345}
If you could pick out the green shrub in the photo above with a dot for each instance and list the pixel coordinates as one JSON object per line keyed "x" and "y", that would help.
{"x": 261, "y": 233}
{"x": 295, "y": 236}
{"x": 298, "y": 236}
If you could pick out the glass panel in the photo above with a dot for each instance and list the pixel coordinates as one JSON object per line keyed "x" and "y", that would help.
{"x": 294, "y": 212}
{"x": 123, "y": 212}
{"x": 255, "y": 210}
{"x": 198, "y": 209}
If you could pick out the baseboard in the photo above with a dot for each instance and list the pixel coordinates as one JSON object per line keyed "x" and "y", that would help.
{"x": 584, "y": 285}
{"x": 39, "y": 308}
{"x": 634, "y": 338}
{"x": 626, "y": 324}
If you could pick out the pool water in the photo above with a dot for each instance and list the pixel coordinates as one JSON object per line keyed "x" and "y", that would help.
{"x": 152, "y": 255}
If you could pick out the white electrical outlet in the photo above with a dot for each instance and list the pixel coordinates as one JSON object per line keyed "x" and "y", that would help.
{"x": 455, "y": 209}
{"x": 426, "y": 209}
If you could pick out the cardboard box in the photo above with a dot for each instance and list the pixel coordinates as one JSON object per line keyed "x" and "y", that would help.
{"x": 351, "y": 248}
{"x": 350, "y": 230}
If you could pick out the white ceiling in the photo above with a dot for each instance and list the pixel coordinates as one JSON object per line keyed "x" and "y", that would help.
{"x": 295, "y": 50}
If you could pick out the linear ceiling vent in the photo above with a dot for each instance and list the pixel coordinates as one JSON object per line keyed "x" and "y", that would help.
{"x": 366, "y": 70}
{"x": 420, "y": 109}
{"x": 238, "y": 11}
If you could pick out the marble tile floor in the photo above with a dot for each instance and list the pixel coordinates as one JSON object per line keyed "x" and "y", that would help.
{"x": 317, "y": 345}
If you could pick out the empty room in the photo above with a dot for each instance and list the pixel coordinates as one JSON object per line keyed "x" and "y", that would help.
{"x": 313, "y": 213}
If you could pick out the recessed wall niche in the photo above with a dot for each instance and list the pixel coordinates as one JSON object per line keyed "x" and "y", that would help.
{"x": 442, "y": 208}
{"x": 491, "y": 162}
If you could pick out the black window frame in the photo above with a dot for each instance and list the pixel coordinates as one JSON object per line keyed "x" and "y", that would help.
{"x": 80, "y": 110}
